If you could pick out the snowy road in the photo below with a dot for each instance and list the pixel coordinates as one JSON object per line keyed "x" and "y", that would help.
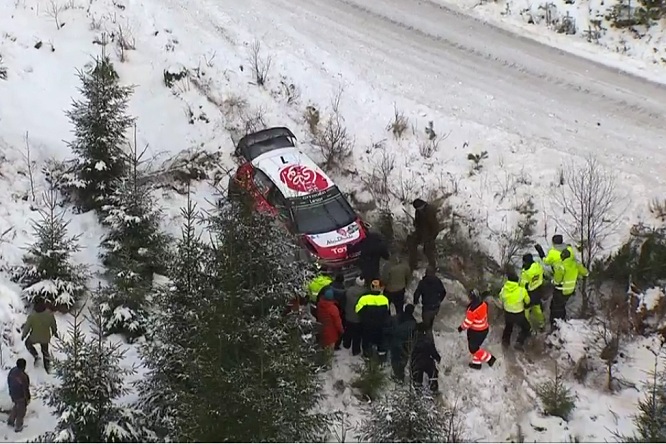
{"x": 460, "y": 66}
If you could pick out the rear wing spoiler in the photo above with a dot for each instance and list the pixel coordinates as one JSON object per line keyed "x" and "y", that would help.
{"x": 263, "y": 136}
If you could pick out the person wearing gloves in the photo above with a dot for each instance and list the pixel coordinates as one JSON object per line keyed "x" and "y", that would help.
{"x": 424, "y": 359}
{"x": 476, "y": 325}
{"x": 328, "y": 316}
{"x": 38, "y": 329}
{"x": 514, "y": 299}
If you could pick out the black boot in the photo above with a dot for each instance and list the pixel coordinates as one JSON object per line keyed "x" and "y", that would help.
{"x": 475, "y": 366}
{"x": 491, "y": 362}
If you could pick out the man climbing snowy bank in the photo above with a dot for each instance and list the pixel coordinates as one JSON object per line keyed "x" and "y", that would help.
{"x": 38, "y": 329}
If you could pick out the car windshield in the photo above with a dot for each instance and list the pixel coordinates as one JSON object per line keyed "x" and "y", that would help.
{"x": 260, "y": 148}
{"x": 328, "y": 213}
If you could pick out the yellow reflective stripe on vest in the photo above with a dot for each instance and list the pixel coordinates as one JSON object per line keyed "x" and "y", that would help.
{"x": 372, "y": 300}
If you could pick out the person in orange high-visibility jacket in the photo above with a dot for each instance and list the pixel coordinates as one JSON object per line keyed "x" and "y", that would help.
{"x": 476, "y": 325}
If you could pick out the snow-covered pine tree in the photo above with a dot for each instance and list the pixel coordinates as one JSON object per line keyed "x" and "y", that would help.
{"x": 100, "y": 122}
{"x": 408, "y": 414}
{"x": 134, "y": 249}
{"x": 165, "y": 392}
{"x": 133, "y": 218}
{"x": 255, "y": 374}
{"x": 92, "y": 380}
{"x": 651, "y": 419}
{"x": 48, "y": 270}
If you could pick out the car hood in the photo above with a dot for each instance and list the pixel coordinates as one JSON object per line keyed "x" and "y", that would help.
{"x": 342, "y": 236}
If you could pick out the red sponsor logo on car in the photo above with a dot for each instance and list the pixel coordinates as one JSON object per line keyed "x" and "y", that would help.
{"x": 303, "y": 179}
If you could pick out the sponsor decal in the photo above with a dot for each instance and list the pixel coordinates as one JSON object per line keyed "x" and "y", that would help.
{"x": 303, "y": 179}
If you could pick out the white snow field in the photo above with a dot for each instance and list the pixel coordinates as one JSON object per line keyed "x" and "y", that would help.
{"x": 531, "y": 107}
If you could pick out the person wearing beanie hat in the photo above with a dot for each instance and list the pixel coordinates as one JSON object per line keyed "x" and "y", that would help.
{"x": 426, "y": 229}
{"x": 374, "y": 313}
{"x": 514, "y": 299}
{"x": 477, "y": 327}
{"x": 402, "y": 340}
{"x": 531, "y": 277}
{"x": 352, "y": 335}
{"x": 328, "y": 315}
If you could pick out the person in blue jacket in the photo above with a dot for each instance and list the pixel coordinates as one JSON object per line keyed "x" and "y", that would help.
{"x": 18, "y": 383}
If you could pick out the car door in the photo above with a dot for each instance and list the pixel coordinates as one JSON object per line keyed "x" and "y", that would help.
{"x": 277, "y": 200}
{"x": 262, "y": 185}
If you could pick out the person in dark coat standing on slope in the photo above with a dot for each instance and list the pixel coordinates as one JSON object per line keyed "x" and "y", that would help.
{"x": 373, "y": 249}
{"x": 425, "y": 359}
{"x": 426, "y": 229}
{"x": 18, "y": 383}
{"x": 402, "y": 341}
{"x": 431, "y": 290}
{"x": 353, "y": 333}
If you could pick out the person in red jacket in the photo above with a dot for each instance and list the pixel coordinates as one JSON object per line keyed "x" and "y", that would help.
{"x": 476, "y": 324}
{"x": 328, "y": 315}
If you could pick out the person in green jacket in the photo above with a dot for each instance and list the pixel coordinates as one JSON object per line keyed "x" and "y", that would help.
{"x": 514, "y": 299}
{"x": 565, "y": 276}
{"x": 38, "y": 329}
{"x": 396, "y": 276}
{"x": 531, "y": 277}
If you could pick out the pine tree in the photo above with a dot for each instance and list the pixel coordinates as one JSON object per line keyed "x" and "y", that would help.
{"x": 92, "y": 381}
{"x": 100, "y": 123}
{"x": 408, "y": 414}
{"x": 256, "y": 377}
{"x": 48, "y": 271}
{"x": 134, "y": 249}
{"x": 134, "y": 219}
{"x": 165, "y": 391}
{"x": 651, "y": 419}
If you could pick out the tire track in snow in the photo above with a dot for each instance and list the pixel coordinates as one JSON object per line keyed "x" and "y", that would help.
{"x": 467, "y": 50}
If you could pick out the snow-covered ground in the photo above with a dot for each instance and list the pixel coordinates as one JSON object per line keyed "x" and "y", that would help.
{"x": 530, "y": 107}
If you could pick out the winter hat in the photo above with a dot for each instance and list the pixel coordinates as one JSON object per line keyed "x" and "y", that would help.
{"x": 474, "y": 295}
{"x": 360, "y": 281}
{"x": 409, "y": 309}
{"x": 558, "y": 239}
{"x": 528, "y": 258}
{"x": 328, "y": 294}
{"x": 418, "y": 204}
{"x": 566, "y": 254}
{"x": 512, "y": 277}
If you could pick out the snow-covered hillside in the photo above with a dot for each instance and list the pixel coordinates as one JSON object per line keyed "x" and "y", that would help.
{"x": 456, "y": 88}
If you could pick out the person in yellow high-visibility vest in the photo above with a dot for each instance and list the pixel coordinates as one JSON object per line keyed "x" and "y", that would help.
{"x": 514, "y": 298}
{"x": 531, "y": 277}
{"x": 565, "y": 277}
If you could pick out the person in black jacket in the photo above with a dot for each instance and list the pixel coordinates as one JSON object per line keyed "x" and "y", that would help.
{"x": 373, "y": 249}
{"x": 19, "y": 390}
{"x": 425, "y": 359}
{"x": 431, "y": 290}
{"x": 402, "y": 341}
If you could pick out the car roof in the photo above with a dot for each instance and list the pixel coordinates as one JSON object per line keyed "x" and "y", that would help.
{"x": 293, "y": 172}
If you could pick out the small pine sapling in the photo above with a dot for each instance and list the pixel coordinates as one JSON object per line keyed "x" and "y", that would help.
{"x": 85, "y": 403}
{"x": 399, "y": 124}
{"x": 100, "y": 122}
{"x": 476, "y": 160}
{"x": 48, "y": 271}
{"x": 409, "y": 414}
{"x": 372, "y": 379}
{"x": 556, "y": 398}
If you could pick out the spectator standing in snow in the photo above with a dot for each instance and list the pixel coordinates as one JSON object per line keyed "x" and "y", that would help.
{"x": 531, "y": 277}
{"x": 476, "y": 325}
{"x": 38, "y": 329}
{"x": 565, "y": 277}
{"x": 426, "y": 229}
{"x": 328, "y": 315}
{"x": 397, "y": 276}
{"x": 353, "y": 333}
{"x": 18, "y": 383}
{"x": 373, "y": 311}
{"x": 424, "y": 359}
{"x": 514, "y": 299}
{"x": 402, "y": 341}
{"x": 431, "y": 290}
{"x": 373, "y": 249}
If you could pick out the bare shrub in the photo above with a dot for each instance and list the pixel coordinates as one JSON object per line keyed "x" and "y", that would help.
{"x": 124, "y": 42}
{"x": 658, "y": 209}
{"x": 289, "y": 91}
{"x": 430, "y": 146}
{"x": 379, "y": 182}
{"x": 259, "y": 64}
{"x": 588, "y": 199}
{"x": 476, "y": 160}
{"x": 406, "y": 189}
{"x": 333, "y": 140}
{"x": 53, "y": 10}
{"x": 399, "y": 124}
{"x": 512, "y": 242}
{"x": 30, "y": 165}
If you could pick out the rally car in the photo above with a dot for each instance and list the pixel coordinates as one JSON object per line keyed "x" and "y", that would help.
{"x": 285, "y": 182}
